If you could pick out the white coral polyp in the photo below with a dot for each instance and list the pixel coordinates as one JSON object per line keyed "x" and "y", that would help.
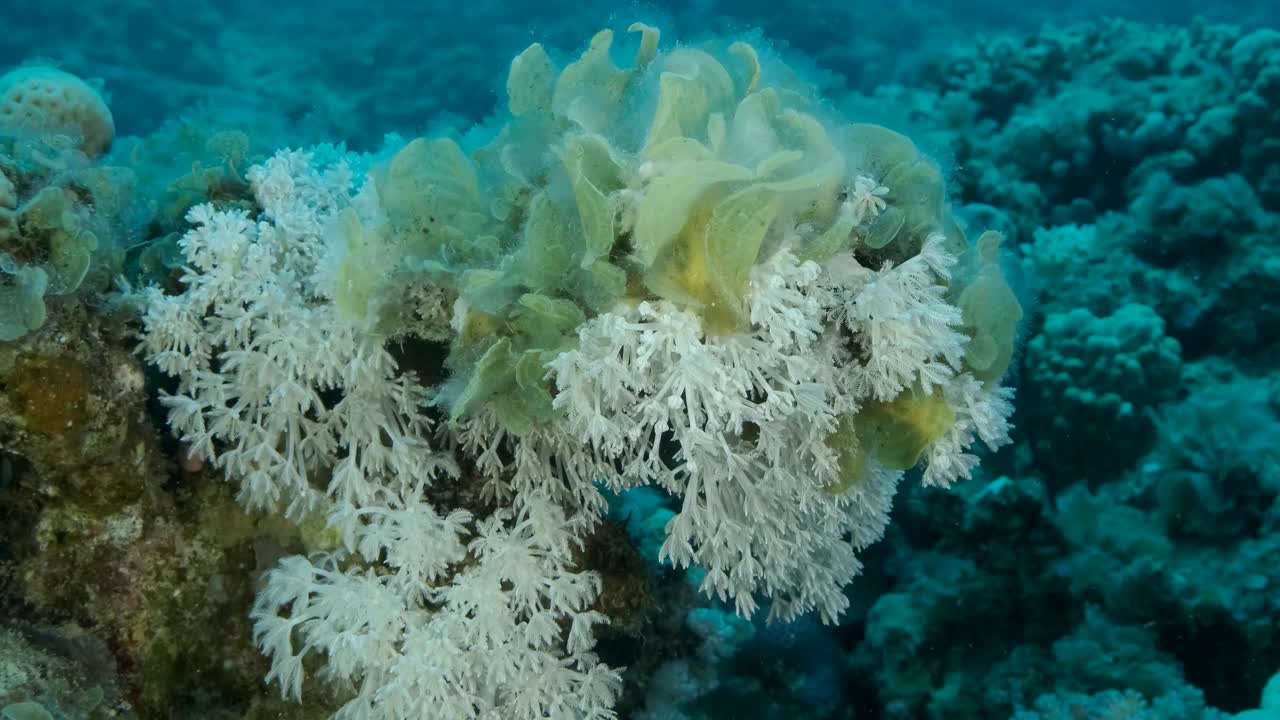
{"x": 866, "y": 199}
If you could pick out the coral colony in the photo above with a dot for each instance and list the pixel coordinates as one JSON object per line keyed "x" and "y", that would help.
{"x": 682, "y": 274}
{"x": 598, "y": 407}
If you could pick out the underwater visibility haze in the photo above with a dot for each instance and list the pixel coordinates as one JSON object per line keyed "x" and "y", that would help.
{"x": 659, "y": 361}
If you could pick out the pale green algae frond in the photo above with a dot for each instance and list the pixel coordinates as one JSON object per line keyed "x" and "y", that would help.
{"x": 670, "y": 179}
{"x": 59, "y": 214}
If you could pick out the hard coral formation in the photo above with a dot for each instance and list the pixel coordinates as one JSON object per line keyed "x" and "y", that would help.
{"x": 41, "y": 99}
{"x": 1094, "y": 379}
{"x": 1189, "y": 224}
{"x": 1135, "y": 163}
{"x": 680, "y": 273}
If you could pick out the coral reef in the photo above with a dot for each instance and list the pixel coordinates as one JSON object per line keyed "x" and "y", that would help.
{"x": 728, "y": 297}
{"x": 1092, "y": 380}
{"x": 654, "y": 343}
{"x": 1136, "y": 185}
{"x": 60, "y": 218}
{"x": 96, "y": 532}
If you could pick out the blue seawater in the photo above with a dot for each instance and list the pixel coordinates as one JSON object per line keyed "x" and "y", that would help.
{"x": 1119, "y": 559}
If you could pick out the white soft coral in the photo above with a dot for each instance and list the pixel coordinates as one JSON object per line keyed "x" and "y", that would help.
{"x": 748, "y": 416}
{"x": 982, "y": 413}
{"x": 866, "y": 199}
{"x": 307, "y": 411}
{"x": 487, "y": 616}
{"x": 440, "y": 637}
{"x": 900, "y": 316}
{"x": 251, "y": 396}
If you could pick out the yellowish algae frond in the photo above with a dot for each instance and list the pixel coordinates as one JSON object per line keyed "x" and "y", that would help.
{"x": 668, "y": 179}
{"x": 990, "y": 309}
{"x": 897, "y": 433}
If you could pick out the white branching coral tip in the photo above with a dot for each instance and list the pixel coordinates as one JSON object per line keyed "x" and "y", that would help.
{"x": 866, "y": 199}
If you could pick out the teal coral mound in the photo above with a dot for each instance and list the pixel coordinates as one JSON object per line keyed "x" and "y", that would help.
{"x": 42, "y": 99}
{"x": 1095, "y": 379}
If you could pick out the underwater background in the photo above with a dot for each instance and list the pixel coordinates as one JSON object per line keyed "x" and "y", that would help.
{"x": 1119, "y": 559}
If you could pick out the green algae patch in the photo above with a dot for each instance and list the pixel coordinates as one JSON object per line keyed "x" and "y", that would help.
{"x": 989, "y": 308}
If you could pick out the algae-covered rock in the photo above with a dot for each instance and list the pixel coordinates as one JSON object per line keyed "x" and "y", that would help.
{"x": 99, "y": 527}
{"x": 50, "y": 392}
{"x": 58, "y": 215}
{"x": 58, "y": 671}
